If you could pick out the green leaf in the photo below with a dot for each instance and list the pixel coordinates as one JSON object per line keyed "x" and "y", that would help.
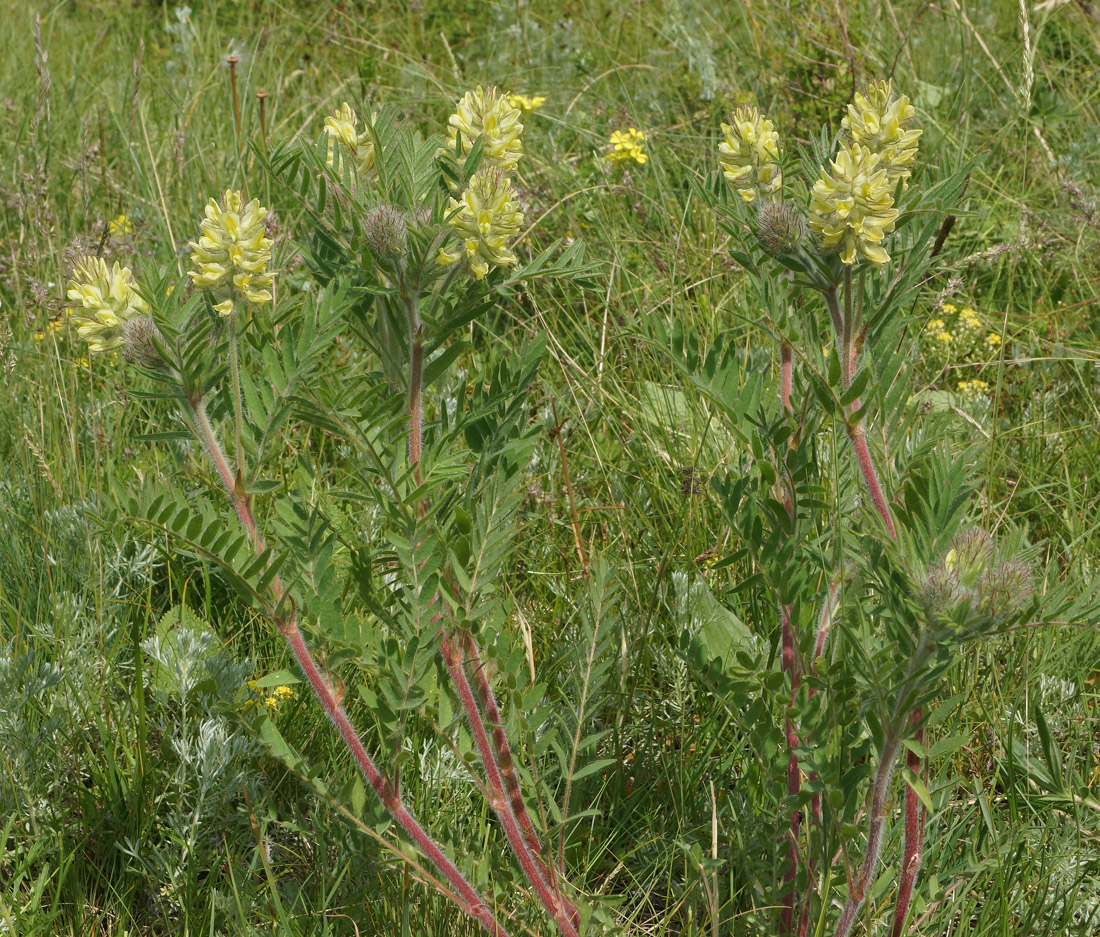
{"x": 918, "y": 787}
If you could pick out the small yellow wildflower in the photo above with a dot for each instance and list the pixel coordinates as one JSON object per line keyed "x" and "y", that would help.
{"x": 485, "y": 218}
{"x": 52, "y": 328}
{"x": 234, "y": 251}
{"x": 83, "y": 362}
{"x": 120, "y": 225}
{"x": 973, "y": 388}
{"x": 852, "y": 207}
{"x": 628, "y": 144}
{"x": 993, "y": 340}
{"x": 749, "y": 154}
{"x": 283, "y": 693}
{"x": 944, "y": 336}
{"x": 949, "y": 309}
{"x": 936, "y": 325}
{"x": 271, "y": 703}
{"x": 525, "y": 104}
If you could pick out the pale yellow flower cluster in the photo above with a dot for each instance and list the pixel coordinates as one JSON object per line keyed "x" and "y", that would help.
{"x": 343, "y": 132}
{"x": 881, "y": 121}
{"x": 485, "y": 218}
{"x": 233, "y": 254}
{"x": 273, "y": 700}
{"x": 489, "y": 114}
{"x": 749, "y": 154}
{"x": 107, "y": 299}
{"x": 627, "y": 145}
{"x": 851, "y": 205}
{"x": 486, "y": 214}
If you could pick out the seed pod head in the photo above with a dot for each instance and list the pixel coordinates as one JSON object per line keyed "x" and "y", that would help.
{"x": 941, "y": 590}
{"x": 971, "y": 553}
{"x": 780, "y": 228}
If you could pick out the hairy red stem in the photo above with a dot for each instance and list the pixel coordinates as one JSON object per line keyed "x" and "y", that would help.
{"x": 497, "y": 799}
{"x": 913, "y": 849}
{"x": 468, "y": 899}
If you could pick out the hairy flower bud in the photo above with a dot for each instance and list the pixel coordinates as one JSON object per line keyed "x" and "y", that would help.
{"x": 780, "y": 228}
{"x": 140, "y": 337}
{"x": 108, "y": 300}
{"x": 386, "y": 232}
{"x": 749, "y": 155}
{"x": 971, "y": 552}
{"x": 1005, "y": 589}
{"x": 487, "y": 113}
{"x": 234, "y": 251}
{"x": 852, "y": 206}
{"x": 484, "y": 218}
{"x": 879, "y": 120}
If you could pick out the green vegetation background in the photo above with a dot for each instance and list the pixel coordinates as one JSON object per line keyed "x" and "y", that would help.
{"x": 128, "y": 808}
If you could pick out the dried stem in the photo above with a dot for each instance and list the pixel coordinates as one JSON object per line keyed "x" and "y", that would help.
{"x": 285, "y": 617}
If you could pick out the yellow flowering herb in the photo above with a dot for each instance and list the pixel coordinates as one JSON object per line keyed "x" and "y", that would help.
{"x": 488, "y": 114}
{"x": 107, "y": 299}
{"x": 881, "y": 121}
{"x": 342, "y": 129}
{"x": 972, "y": 389}
{"x": 626, "y": 145}
{"x": 484, "y": 219}
{"x": 749, "y": 154}
{"x": 525, "y": 104}
{"x": 852, "y": 207}
{"x": 234, "y": 252}
{"x": 993, "y": 340}
{"x": 120, "y": 225}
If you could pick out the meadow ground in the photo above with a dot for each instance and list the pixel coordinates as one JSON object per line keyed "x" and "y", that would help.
{"x": 149, "y": 787}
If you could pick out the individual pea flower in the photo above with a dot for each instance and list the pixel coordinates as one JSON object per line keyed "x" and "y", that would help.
{"x": 525, "y": 104}
{"x": 484, "y": 219}
{"x": 488, "y": 114}
{"x": 626, "y": 145}
{"x": 852, "y": 207}
{"x": 749, "y": 155}
{"x": 342, "y": 129}
{"x": 233, "y": 252}
{"x": 108, "y": 299}
{"x": 880, "y": 120}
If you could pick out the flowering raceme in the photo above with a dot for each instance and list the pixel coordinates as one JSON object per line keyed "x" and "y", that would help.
{"x": 852, "y": 207}
{"x": 488, "y": 114}
{"x": 234, "y": 252}
{"x": 879, "y": 120}
{"x": 108, "y": 300}
{"x": 749, "y": 155}
{"x": 486, "y": 216}
{"x": 341, "y": 127}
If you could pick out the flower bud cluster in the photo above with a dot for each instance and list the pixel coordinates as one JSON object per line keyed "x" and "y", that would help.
{"x": 108, "y": 299}
{"x": 971, "y": 578}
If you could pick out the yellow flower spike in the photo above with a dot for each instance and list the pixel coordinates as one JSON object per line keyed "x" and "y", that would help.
{"x": 107, "y": 299}
{"x": 852, "y": 207}
{"x": 234, "y": 250}
{"x": 488, "y": 114}
{"x": 880, "y": 120}
{"x": 484, "y": 219}
{"x": 749, "y": 154}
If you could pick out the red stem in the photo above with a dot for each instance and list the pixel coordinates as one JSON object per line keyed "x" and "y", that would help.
{"x": 870, "y": 476}
{"x": 794, "y": 776}
{"x": 913, "y": 849}
{"x": 467, "y": 898}
{"x": 553, "y": 904}
{"x": 503, "y": 753}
